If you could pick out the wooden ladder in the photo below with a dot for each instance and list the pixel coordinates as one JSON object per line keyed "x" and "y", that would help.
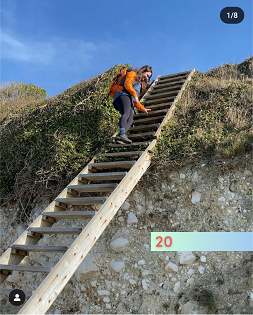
{"x": 114, "y": 178}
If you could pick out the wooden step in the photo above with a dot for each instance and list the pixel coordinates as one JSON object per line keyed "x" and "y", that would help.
{"x": 93, "y": 187}
{"x": 9, "y": 268}
{"x": 102, "y": 176}
{"x": 159, "y": 106}
{"x": 160, "y": 100}
{"x": 152, "y": 113}
{"x": 122, "y": 154}
{"x": 69, "y": 214}
{"x": 149, "y": 120}
{"x": 165, "y": 89}
{"x": 174, "y": 76}
{"x": 39, "y": 248}
{"x": 143, "y": 135}
{"x": 168, "y": 84}
{"x": 170, "y": 81}
{"x": 8, "y": 291}
{"x": 81, "y": 201}
{"x": 128, "y": 145}
{"x": 116, "y": 164}
{"x": 161, "y": 95}
{"x": 144, "y": 127}
{"x": 33, "y": 231}
{"x": 177, "y": 74}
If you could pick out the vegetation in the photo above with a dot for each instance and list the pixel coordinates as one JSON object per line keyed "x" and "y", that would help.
{"x": 15, "y": 96}
{"x": 205, "y": 298}
{"x": 212, "y": 118}
{"x": 49, "y": 142}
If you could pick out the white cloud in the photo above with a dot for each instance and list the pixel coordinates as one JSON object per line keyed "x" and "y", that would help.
{"x": 71, "y": 53}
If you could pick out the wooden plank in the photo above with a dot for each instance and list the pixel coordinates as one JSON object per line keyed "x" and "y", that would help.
{"x": 71, "y": 214}
{"x": 171, "y": 81}
{"x": 82, "y": 200}
{"x": 151, "y": 114}
{"x": 168, "y": 85}
{"x": 103, "y": 176}
{"x": 142, "y": 135}
{"x": 149, "y": 120}
{"x": 144, "y": 127}
{"x": 122, "y": 154}
{"x": 175, "y": 75}
{"x": 112, "y": 145}
{"x": 94, "y": 187}
{"x": 164, "y": 89}
{"x": 40, "y": 248}
{"x": 25, "y": 268}
{"x": 161, "y": 95}
{"x": 116, "y": 164}
{"x": 160, "y": 100}
{"x": 55, "y": 230}
{"x": 159, "y": 106}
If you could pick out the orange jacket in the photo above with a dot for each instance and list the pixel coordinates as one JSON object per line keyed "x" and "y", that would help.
{"x": 128, "y": 85}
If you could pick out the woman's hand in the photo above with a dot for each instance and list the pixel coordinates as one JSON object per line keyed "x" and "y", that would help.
{"x": 147, "y": 110}
{"x": 136, "y": 99}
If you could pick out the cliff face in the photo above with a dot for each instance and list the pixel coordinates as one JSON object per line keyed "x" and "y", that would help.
{"x": 122, "y": 275}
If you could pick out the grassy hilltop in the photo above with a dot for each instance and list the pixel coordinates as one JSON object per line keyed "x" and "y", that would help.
{"x": 213, "y": 116}
{"x": 46, "y": 144}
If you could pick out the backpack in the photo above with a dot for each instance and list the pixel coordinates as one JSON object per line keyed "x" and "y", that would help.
{"x": 115, "y": 86}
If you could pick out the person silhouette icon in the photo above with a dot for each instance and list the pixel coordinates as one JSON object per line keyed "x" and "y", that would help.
{"x": 17, "y": 299}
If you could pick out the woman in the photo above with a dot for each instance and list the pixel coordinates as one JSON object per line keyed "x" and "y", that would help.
{"x": 134, "y": 84}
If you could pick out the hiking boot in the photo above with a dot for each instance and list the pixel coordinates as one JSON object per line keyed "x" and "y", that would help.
{"x": 122, "y": 138}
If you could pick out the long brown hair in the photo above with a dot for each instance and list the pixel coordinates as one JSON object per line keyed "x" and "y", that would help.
{"x": 143, "y": 84}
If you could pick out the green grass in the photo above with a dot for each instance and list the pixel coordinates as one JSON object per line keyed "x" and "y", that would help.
{"x": 212, "y": 118}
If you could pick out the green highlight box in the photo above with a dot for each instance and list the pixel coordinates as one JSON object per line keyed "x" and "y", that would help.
{"x": 201, "y": 241}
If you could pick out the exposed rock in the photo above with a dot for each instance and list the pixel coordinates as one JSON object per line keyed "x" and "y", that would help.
{"x": 189, "y": 282}
{"x": 186, "y": 258}
{"x": 144, "y": 284}
{"x": 103, "y": 292}
{"x": 196, "y": 196}
{"x": 87, "y": 268}
{"x": 141, "y": 262}
{"x": 117, "y": 266}
{"x": 171, "y": 266}
{"x": 176, "y": 287}
{"x": 146, "y": 273}
{"x": 119, "y": 244}
{"x": 201, "y": 270}
{"x": 125, "y": 205}
{"x": 132, "y": 218}
{"x": 192, "y": 307}
{"x": 190, "y": 272}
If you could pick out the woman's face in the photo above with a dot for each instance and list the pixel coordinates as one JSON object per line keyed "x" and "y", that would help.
{"x": 146, "y": 76}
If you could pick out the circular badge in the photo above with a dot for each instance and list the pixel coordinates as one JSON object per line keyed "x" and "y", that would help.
{"x": 17, "y": 297}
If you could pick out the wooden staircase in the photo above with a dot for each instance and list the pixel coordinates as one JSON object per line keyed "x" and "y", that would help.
{"x": 112, "y": 175}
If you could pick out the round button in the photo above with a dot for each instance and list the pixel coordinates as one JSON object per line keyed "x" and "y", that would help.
{"x": 17, "y": 297}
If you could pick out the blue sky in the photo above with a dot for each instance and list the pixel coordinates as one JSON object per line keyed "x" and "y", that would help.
{"x": 56, "y": 44}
